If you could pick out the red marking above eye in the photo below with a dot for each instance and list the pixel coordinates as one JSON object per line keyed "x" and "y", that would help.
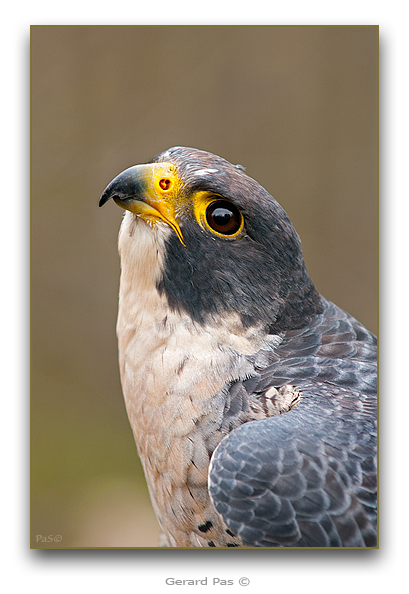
{"x": 165, "y": 183}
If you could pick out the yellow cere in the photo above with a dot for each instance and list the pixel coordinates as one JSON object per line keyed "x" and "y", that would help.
{"x": 165, "y": 179}
{"x": 161, "y": 196}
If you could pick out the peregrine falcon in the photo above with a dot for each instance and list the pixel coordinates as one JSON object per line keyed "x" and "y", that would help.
{"x": 252, "y": 398}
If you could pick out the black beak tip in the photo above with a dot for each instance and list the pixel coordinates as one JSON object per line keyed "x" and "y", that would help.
{"x": 104, "y": 198}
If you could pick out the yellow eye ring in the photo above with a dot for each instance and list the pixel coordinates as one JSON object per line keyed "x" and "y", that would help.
{"x": 217, "y": 215}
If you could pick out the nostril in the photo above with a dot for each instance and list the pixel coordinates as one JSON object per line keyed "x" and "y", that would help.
{"x": 165, "y": 183}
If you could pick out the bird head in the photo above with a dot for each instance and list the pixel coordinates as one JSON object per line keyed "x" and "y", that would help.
{"x": 227, "y": 245}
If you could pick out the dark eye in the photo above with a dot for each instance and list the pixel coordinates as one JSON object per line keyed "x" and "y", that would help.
{"x": 222, "y": 216}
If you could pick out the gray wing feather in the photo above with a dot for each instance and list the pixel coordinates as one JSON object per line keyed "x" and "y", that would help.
{"x": 307, "y": 478}
{"x": 304, "y": 478}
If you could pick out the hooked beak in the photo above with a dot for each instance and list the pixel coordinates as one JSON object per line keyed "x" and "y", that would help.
{"x": 149, "y": 191}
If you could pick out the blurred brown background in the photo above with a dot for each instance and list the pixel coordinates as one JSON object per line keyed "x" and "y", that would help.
{"x": 296, "y": 105}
